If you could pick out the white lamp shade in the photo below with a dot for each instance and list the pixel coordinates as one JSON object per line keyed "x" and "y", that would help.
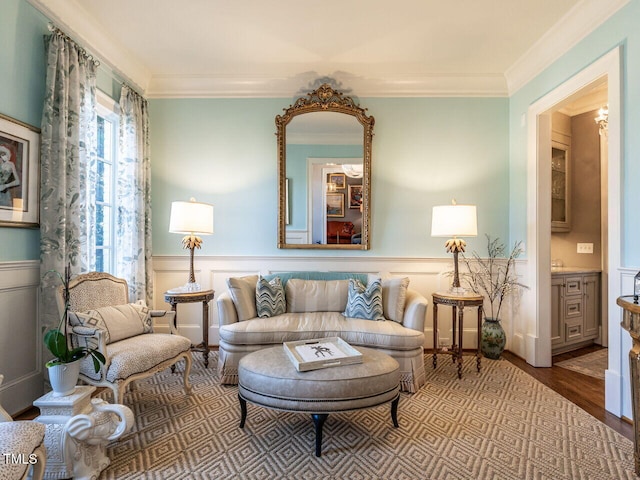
{"x": 454, "y": 221}
{"x": 191, "y": 217}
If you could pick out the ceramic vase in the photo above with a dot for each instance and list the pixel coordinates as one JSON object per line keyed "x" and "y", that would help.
{"x": 493, "y": 338}
{"x": 63, "y": 378}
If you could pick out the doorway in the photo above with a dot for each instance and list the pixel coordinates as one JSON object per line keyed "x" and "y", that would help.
{"x": 606, "y": 70}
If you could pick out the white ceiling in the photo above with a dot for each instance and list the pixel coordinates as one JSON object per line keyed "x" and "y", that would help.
{"x": 197, "y": 48}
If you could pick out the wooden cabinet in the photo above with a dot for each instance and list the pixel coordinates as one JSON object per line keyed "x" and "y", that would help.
{"x": 560, "y": 187}
{"x": 575, "y": 310}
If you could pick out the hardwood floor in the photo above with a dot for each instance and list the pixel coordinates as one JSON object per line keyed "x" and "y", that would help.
{"x": 585, "y": 391}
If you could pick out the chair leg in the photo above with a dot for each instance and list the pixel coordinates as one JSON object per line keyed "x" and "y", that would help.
{"x": 41, "y": 463}
{"x": 187, "y": 370}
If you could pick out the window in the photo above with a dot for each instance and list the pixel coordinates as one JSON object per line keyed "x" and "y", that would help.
{"x": 107, "y": 128}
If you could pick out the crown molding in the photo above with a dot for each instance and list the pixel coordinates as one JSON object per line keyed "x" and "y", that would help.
{"x": 212, "y": 86}
{"x": 70, "y": 17}
{"x": 573, "y": 27}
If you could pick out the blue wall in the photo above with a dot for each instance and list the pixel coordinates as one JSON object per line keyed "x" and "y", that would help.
{"x": 425, "y": 152}
{"x": 621, "y": 29}
{"x": 22, "y": 65}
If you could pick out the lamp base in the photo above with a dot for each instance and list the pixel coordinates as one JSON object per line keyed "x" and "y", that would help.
{"x": 189, "y": 287}
{"x": 457, "y": 290}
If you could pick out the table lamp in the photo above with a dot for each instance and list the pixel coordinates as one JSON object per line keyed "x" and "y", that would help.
{"x": 453, "y": 221}
{"x": 191, "y": 218}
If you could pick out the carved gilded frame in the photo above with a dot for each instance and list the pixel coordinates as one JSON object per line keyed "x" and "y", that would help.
{"x": 325, "y": 99}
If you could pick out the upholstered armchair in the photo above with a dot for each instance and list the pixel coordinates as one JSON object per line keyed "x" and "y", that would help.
{"x": 24, "y": 443}
{"x": 101, "y": 317}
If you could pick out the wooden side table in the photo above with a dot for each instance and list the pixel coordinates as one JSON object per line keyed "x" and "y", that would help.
{"x": 458, "y": 303}
{"x": 204, "y": 296}
{"x": 631, "y": 323}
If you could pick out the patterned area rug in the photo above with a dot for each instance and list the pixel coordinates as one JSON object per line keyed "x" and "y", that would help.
{"x": 497, "y": 424}
{"x": 593, "y": 364}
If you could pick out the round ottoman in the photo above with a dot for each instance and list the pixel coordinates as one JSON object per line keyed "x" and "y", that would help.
{"x": 268, "y": 378}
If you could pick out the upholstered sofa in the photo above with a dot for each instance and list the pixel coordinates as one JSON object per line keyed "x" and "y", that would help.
{"x": 260, "y": 312}
{"x": 339, "y": 232}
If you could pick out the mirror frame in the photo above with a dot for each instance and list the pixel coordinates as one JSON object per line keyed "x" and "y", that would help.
{"x": 325, "y": 99}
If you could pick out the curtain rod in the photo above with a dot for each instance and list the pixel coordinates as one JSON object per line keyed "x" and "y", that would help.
{"x": 53, "y": 29}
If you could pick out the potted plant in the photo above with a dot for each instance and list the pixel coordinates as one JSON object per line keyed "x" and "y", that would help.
{"x": 493, "y": 277}
{"x": 64, "y": 368}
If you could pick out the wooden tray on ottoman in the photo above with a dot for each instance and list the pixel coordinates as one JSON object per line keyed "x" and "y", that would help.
{"x": 321, "y": 353}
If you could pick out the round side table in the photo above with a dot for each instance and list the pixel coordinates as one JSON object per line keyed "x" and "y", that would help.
{"x": 204, "y": 296}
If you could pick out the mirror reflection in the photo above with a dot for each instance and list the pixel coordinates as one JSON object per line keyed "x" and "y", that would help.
{"x": 324, "y": 173}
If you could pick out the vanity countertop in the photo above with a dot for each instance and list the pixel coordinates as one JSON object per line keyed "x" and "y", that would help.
{"x": 569, "y": 270}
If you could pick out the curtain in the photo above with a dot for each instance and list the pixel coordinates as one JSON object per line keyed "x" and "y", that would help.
{"x": 68, "y": 167}
{"x": 133, "y": 197}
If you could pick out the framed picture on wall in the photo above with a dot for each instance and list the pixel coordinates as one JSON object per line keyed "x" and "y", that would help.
{"x": 335, "y": 204}
{"x": 19, "y": 173}
{"x": 340, "y": 180}
{"x": 355, "y": 196}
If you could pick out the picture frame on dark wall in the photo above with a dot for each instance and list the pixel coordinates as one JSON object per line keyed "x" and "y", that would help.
{"x": 19, "y": 173}
{"x": 355, "y": 196}
{"x": 335, "y": 204}
{"x": 340, "y": 180}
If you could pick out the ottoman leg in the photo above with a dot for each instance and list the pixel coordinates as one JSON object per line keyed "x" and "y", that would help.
{"x": 318, "y": 421}
{"x": 243, "y": 411}
{"x": 394, "y": 411}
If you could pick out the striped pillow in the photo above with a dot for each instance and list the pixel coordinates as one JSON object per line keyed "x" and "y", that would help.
{"x": 364, "y": 302}
{"x": 270, "y": 300}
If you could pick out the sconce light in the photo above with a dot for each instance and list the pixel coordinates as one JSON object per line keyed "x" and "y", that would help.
{"x": 332, "y": 187}
{"x": 191, "y": 218}
{"x": 603, "y": 120}
{"x": 452, "y": 221}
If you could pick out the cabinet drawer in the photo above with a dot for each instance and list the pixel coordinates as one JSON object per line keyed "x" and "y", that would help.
{"x": 573, "y": 307}
{"x": 573, "y": 330}
{"x": 573, "y": 286}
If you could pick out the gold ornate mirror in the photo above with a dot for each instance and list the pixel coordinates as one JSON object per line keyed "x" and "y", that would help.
{"x": 324, "y": 172}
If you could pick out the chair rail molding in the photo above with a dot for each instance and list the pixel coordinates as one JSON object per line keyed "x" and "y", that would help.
{"x": 20, "y": 335}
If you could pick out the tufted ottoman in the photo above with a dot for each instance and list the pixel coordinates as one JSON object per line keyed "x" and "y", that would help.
{"x": 269, "y": 379}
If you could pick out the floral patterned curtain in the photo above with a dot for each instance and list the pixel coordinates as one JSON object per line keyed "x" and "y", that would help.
{"x": 133, "y": 194}
{"x": 68, "y": 165}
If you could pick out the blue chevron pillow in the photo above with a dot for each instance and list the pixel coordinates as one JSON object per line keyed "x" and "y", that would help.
{"x": 364, "y": 302}
{"x": 270, "y": 299}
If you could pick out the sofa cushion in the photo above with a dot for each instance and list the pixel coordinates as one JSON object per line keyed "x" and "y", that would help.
{"x": 270, "y": 299}
{"x": 243, "y": 294}
{"x": 394, "y": 296}
{"x": 305, "y": 326}
{"x": 118, "y": 321}
{"x": 364, "y": 302}
{"x": 316, "y": 295}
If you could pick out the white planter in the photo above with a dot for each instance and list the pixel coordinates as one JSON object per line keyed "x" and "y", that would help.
{"x": 63, "y": 378}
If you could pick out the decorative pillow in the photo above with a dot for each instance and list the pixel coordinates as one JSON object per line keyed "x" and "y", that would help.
{"x": 270, "y": 298}
{"x": 243, "y": 295}
{"x": 394, "y": 296}
{"x": 316, "y": 295}
{"x": 118, "y": 321}
{"x": 365, "y": 302}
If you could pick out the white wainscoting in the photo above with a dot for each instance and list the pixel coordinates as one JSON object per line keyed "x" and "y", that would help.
{"x": 20, "y": 335}
{"x": 426, "y": 276}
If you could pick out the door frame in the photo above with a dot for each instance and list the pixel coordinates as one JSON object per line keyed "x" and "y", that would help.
{"x": 538, "y": 335}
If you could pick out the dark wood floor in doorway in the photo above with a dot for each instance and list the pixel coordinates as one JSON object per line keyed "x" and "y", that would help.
{"x": 585, "y": 391}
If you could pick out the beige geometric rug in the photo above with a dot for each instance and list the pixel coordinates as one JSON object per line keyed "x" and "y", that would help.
{"x": 497, "y": 424}
{"x": 593, "y": 364}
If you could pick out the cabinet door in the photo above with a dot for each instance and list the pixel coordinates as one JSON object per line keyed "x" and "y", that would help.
{"x": 591, "y": 288}
{"x": 560, "y": 187}
{"x": 557, "y": 311}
